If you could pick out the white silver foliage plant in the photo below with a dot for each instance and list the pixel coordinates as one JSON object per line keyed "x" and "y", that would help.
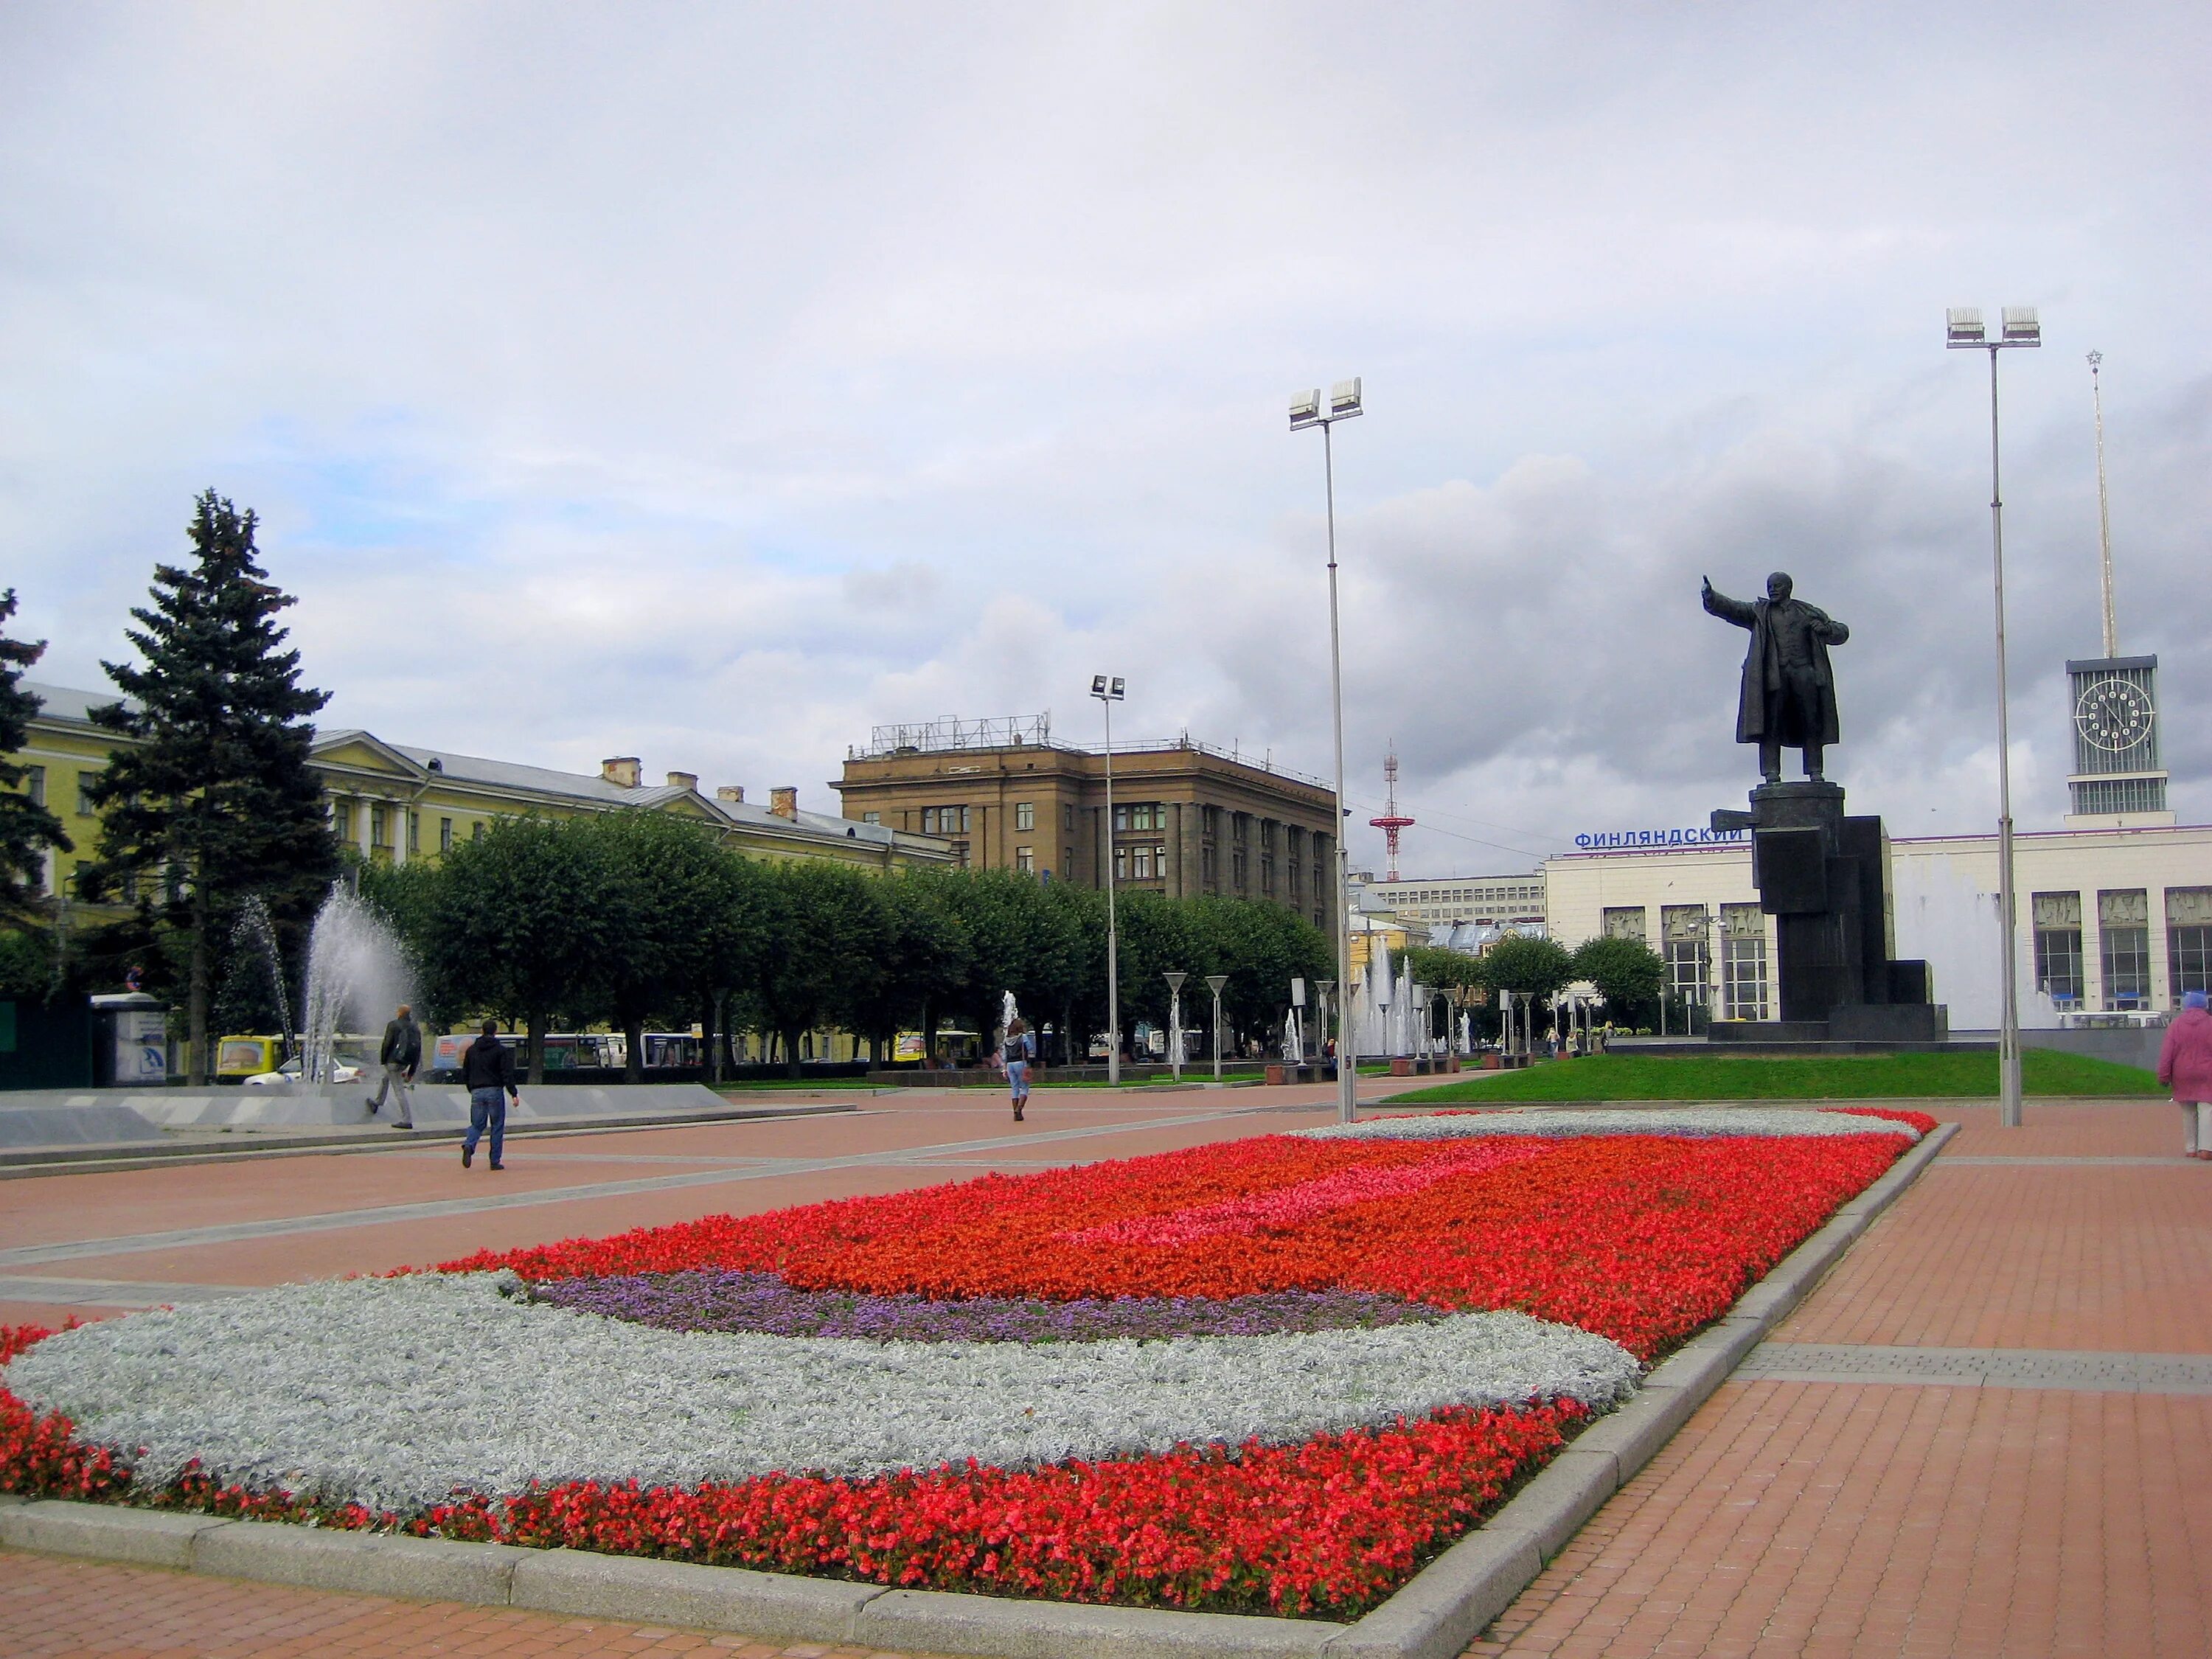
{"x": 397, "y": 1393}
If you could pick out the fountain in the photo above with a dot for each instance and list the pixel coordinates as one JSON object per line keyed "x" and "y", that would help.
{"x": 357, "y": 973}
{"x": 254, "y": 931}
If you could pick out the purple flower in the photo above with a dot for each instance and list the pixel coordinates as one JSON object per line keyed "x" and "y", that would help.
{"x": 707, "y": 1300}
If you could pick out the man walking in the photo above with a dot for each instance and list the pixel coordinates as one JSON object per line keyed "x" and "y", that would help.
{"x": 401, "y": 1053}
{"x": 488, "y": 1073}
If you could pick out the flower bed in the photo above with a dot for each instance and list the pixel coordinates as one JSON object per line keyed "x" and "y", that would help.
{"x": 1275, "y": 1375}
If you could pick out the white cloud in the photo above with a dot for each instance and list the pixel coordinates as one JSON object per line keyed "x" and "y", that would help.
{"x": 718, "y": 381}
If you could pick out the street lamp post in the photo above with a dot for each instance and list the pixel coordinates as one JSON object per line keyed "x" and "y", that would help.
{"x": 1213, "y": 983}
{"x": 1175, "y": 1021}
{"x": 1963, "y": 331}
{"x": 1108, "y": 690}
{"x": 1344, "y": 404}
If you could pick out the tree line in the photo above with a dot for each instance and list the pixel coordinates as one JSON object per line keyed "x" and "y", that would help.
{"x": 639, "y": 919}
{"x": 1627, "y": 973}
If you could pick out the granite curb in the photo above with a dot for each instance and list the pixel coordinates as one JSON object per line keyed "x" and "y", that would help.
{"x": 1442, "y": 1609}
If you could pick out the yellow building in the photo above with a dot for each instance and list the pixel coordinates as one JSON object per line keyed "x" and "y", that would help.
{"x": 390, "y": 802}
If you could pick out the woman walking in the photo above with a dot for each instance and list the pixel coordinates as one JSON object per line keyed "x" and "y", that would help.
{"x": 2184, "y": 1066}
{"x": 1014, "y": 1053}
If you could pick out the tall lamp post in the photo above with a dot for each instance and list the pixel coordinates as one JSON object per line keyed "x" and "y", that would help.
{"x": 1344, "y": 404}
{"x": 1213, "y": 983}
{"x": 1108, "y": 690}
{"x": 1963, "y": 331}
{"x": 1327, "y": 989}
{"x": 1175, "y": 1021}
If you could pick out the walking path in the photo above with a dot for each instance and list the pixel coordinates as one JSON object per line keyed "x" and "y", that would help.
{"x": 1989, "y": 1431}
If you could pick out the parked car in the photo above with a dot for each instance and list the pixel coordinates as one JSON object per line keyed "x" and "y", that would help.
{"x": 342, "y": 1070}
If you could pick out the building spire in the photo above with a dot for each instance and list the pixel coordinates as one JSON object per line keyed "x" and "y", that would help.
{"x": 2104, "y": 509}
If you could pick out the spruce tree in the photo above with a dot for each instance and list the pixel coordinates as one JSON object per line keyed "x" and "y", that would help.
{"x": 214, "y": 799}
{"x": 26, "y": 828}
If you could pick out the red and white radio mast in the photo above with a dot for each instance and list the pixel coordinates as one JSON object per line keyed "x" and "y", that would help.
{"x": 1392, "y": 820}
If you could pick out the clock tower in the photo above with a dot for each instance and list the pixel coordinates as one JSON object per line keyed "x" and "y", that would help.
{"x": 2117, "y": 782}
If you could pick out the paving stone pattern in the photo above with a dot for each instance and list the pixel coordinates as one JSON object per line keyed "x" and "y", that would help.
{"x": 1914, "y": 1466}
{"x": 52, "y": 1608}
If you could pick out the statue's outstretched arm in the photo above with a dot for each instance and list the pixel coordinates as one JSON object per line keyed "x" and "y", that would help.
{"x": 1728, "y": 610}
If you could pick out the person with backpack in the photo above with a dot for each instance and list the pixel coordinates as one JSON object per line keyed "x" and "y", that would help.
{"x": 401, "y": 1053}
{"x": 1015, "y": 1053}
{"x": 488, "y": 1073}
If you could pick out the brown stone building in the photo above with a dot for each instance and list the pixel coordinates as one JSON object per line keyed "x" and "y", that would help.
{"x": 1188, "y": 818}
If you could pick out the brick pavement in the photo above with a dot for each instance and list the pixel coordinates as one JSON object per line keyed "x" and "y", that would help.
{"x": 1788, "y": 1518}
{"x": 1887, "y": 1518}
{"x": 52, "y": 1608}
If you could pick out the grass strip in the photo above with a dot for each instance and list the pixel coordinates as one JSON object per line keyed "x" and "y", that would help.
{"x": 1762, "y": 1077}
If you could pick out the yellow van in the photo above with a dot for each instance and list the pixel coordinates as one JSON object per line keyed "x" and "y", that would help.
{"x": 238, "y": 1057}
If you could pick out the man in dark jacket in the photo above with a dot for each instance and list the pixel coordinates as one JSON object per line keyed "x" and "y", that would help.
{"x": 488, "y": 1073}
{"x": 1788, "y": 697}
{"x": 401, "y": 1053}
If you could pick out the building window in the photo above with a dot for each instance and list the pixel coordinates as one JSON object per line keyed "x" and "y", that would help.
{"x": 379, "y": 829}
{"x": 944, "y": 820}
{"x": 1024, "y": 815}
{"x": 1142, "y": 857}
{"x": 960, "y": 849}
{"x": 1205, "y": 866}
{"x": 2124, "y": 931}
{"x": 871, "y": 818}
{"x": 1267, "y": 873}
{"x": 85, "y": 809}
{"x": 1141, "y": 815}
{"x": 1066, "y": 861}
{"x": 1068, "y": 817}
{"x": 1297, "y": 884}
{"x": 2188, "y": 941}
{"x": 445, "y": 834}
{"x": 1237, "y": 870}
{"x": 1623, "y": 921}
{"x": 2057, "y": 923}
{"x": 342, "y": 821}
{"x": 1026, "y": 859}
{"x": 477, "y": 831}
{"x": 1743, "y": 961}
{"x": 414, "y": 830}
{"x": 1120, "y": 864}
{"x": 1689, "y": 955}
{"x": 34, "y": 784}
{"x": 2120, "y": 795}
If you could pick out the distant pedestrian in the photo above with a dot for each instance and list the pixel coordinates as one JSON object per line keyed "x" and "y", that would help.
{"x": 2184, "y": 1066}
{"x": 488, "y": 1073}
{"x": 401, "y": 1053}
{"x": 1015, "y": 1054}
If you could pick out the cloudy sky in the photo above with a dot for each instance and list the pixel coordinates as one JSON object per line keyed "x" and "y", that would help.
{"x": 709, "y": 383}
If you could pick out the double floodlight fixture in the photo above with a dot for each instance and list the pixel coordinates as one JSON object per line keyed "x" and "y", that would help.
{"x": 1343, "y": 405}
{"x": 1963, "y": 330}
{"x": 1106, "y": 690}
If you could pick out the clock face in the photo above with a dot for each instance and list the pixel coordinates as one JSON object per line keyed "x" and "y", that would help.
{"x": 2113, "y": 716}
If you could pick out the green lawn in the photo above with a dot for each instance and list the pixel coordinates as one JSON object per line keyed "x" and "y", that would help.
{"x": 1752, "y": 1076}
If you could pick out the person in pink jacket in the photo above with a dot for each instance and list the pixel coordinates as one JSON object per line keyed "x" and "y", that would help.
{"x": 2184, "y": 1066}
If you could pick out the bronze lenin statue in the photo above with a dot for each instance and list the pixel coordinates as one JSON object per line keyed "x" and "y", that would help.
{"x": 1788, "y": 693}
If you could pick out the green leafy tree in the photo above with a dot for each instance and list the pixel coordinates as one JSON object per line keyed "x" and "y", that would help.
{"x": 923, "y": 953}
{"x": 212, "y": 799}
{"x": 1261, "y": 947}
{"x": 517, "y": 923}
{"x": 1022, "y": 938}
{"x": 684, "y": 919}
{"x": 1627, "y": 973}
{"x": 827, "y": 922}
{"x": 27, "y": 829}
{"x": 1533, "y": 967}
